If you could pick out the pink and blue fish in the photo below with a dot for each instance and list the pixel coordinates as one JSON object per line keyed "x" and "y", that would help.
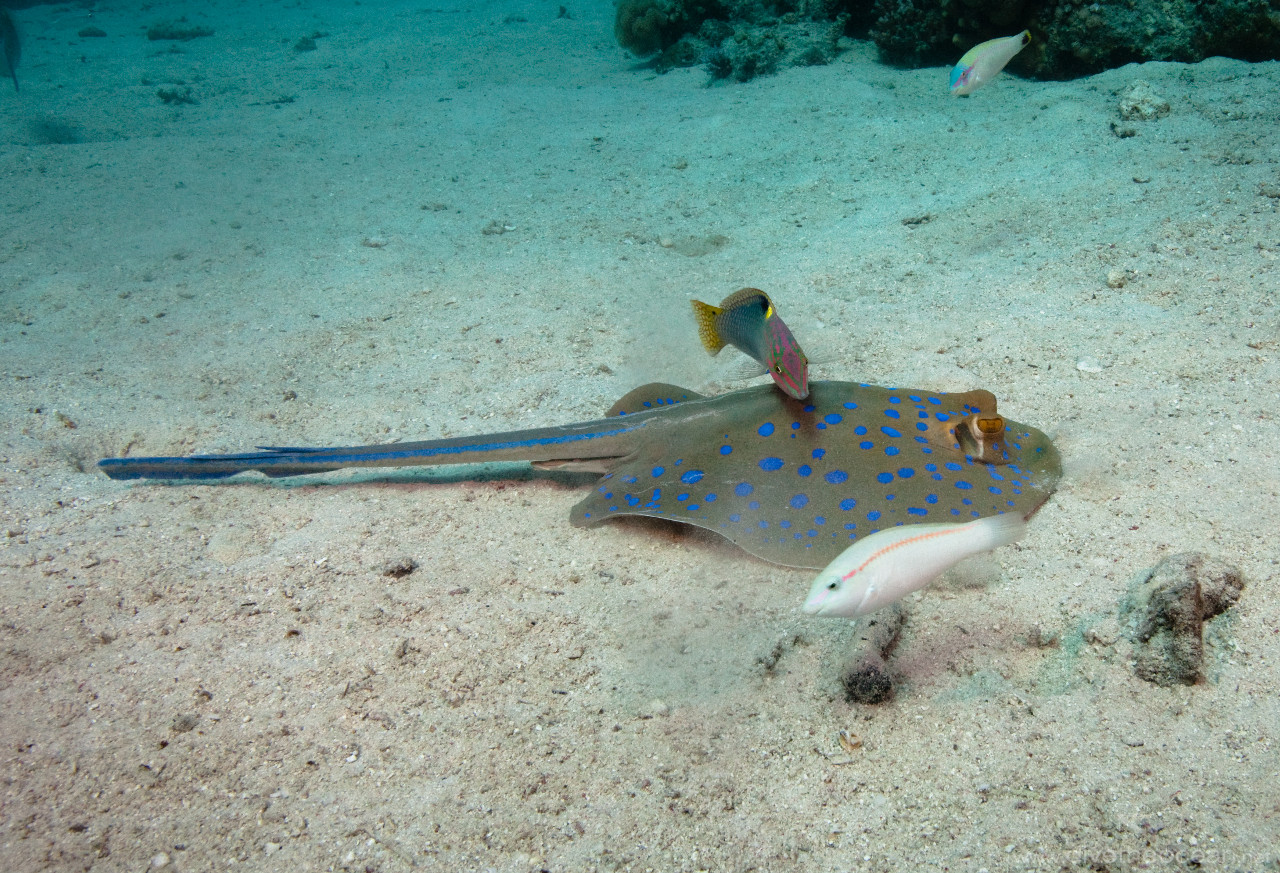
{"x": 747, "y": 320}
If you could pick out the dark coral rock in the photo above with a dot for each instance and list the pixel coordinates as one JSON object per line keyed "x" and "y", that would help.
{"x": 1075, "y": 38}
{"x": 1168, "y": 612}
{"x": 646, "y": 27}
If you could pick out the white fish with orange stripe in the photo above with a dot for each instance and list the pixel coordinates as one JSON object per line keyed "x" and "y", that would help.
{"x": 888, "y": 565}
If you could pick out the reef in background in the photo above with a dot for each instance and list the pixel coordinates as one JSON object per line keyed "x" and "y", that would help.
{"x": 741, "y": 39}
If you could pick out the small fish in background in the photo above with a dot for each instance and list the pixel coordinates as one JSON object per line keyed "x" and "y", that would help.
{"x": 12, "y": 46}
{"x": 888, "y": 565}
{"x": 984, "y": 61}
{"x": 747, "y": 320}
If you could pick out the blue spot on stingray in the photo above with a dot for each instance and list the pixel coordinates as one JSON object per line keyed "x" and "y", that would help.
{"x": 632, "y": 500}
{"x": 932, "y": 468}
{"x": 888, "y": 431}
{"x": 913, "y": 398}
{"x": 805, "y": 470}
{"x": 873, "y": 515}
{"x": 914, "y": 511}
{"x": 892, "y": 413}
{"x": 766, "y": 429}
{"x": 682, "y": 497}
{"x": 725, "y": 450}
{"x": 850, "y": 527}
{"x": 711, "y": 498}
{"x": 860, "y": 430}
{"x": 691, "y": 476}
{"x": 691, "y": 507}
{"x": 771, "y": 464}
{"x": 963, "y": 485}
{"x": 809, "y": 407}
{"x": 820, "y": 426}
{"x": 884, "y": 478}
{"x": 848, "y": 503}
{"x": 895, "y": 399}
{"x": 630, "y": 480}
{"x": 920, "y": 425}
{"x": 586, "y": 515}
{"x": 753, "y": 505}
{"x": 952, "y": 465}
{"x": 942, "y": 416}
{"x": 819, "y": 453}
{"x": 658, "y": 471}
{"x": 849, "y": 405}
{"x": 967, "y": 502}
{"x": 890, "y": 496}
{"x": 763, "y": 524}
{"x": 799, "y": 501}
{"x": 657, "y": 494}
{"x": 931, "y": 498}
{"x": 786, "y": 525}
{"x": 835, "y": 477}
{"x": 833, "y": 418}
{"x": 866, "y": 444}
{"x": 891, "y": 450}
{"x": 819, "y": 520}
{"x": 935, "y": 400}
{"x": 906, "y": 473}
{"x": 812, "y": 533}
{"x": 613, "y": 509}
{"x": 795, "y": 425}
{"x": 742, "y": 489}
{"x": 735, "y": 517}
{"x": 994, "y": 490}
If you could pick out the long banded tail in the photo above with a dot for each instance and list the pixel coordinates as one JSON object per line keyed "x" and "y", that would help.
{"x": 603, "y": 438}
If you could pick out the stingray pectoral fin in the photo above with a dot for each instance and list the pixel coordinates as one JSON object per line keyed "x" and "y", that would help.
{"x": 651, "y": 396}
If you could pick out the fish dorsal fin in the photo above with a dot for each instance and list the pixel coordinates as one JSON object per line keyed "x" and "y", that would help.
{"x": 651, "y": 396}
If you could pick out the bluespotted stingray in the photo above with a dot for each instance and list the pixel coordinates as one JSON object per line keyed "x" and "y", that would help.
{"x": 791, "y": 481}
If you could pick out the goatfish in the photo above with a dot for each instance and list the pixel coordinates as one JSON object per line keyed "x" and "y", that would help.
{"x": 984, "y": 61}
{"x": 888, "y": 565}
{"x": 748, "y": 321}
{"x": 12, "y": 46}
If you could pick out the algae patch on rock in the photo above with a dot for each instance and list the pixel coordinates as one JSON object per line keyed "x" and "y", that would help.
{"x": 1168, "y": 611}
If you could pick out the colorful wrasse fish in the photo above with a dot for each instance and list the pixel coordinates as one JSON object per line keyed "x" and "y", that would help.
{"x": 984, "y": 61}
{"x": 747, "y": 321}
{"x": 888, "y": 565}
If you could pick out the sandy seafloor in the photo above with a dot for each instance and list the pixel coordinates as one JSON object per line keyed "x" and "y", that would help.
{"x": 217, "y": 678}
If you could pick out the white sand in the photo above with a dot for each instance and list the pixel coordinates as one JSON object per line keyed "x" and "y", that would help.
{"x": 215, "y": 678}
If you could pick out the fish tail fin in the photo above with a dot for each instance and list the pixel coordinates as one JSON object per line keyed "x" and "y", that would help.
{"x": 705, "y": 314}
{"x": 1000, "y": 530}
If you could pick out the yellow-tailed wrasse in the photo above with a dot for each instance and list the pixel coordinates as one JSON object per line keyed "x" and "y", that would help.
{"x": 747, "y": 320}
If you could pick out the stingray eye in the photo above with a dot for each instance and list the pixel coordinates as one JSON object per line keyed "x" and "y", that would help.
{"x": 990, "y": 427}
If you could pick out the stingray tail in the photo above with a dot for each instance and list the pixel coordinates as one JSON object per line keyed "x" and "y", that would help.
{"x": 270, "y": 461}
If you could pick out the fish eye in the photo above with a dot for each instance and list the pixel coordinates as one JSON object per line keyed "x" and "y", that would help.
{"x": 777, "y": 368}
{"x": 833, "y": 584}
